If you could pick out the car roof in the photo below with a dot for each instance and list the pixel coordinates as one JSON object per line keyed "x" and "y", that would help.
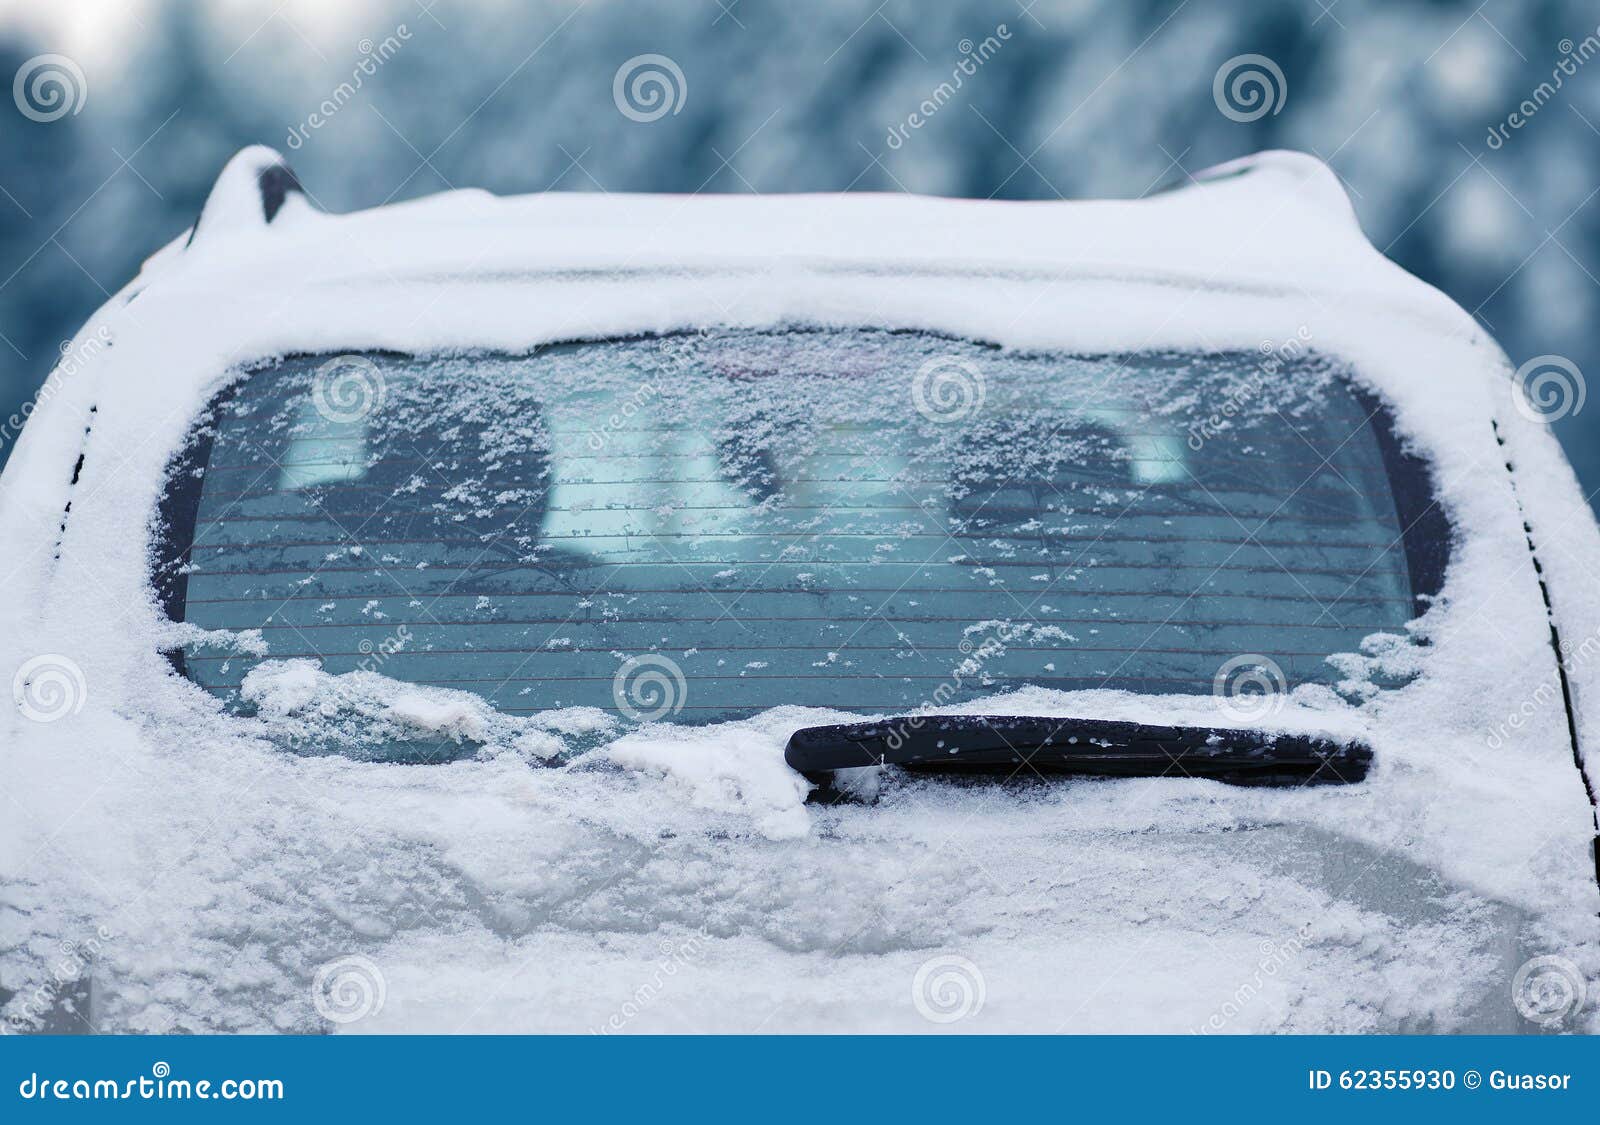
{"x": 1271, "y": 221}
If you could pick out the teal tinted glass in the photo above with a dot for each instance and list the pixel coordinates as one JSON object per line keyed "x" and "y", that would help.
{"x": 839, "y": 519}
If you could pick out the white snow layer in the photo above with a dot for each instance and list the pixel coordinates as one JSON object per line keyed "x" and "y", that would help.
{"x": 675, "y": 879}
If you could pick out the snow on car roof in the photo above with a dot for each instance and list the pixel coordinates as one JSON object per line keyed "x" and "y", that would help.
{"x": 1273, "y": 220}
{"x": 496, "y": 895}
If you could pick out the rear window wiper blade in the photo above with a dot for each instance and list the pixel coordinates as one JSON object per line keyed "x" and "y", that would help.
{"x": 1005, "y": 744}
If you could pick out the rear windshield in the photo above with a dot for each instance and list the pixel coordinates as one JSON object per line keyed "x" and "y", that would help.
{"x": 835, "y": 519}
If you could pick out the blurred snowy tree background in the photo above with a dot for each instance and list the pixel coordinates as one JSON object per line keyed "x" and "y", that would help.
{"x": 1083, "y": 98}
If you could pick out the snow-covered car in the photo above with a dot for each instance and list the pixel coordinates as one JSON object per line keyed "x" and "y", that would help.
{"x": 652, "y": 613}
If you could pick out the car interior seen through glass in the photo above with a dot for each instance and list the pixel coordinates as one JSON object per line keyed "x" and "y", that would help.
{"x": 841, "y": 519}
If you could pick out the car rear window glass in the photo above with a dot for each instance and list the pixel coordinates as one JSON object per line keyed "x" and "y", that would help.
{"x": 837, "y": 519}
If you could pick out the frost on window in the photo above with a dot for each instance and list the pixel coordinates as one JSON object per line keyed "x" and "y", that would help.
{"x": 819, "y": 518}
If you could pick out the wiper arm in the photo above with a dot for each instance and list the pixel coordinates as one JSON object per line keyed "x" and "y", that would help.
{"x": 1090, "y": 747}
